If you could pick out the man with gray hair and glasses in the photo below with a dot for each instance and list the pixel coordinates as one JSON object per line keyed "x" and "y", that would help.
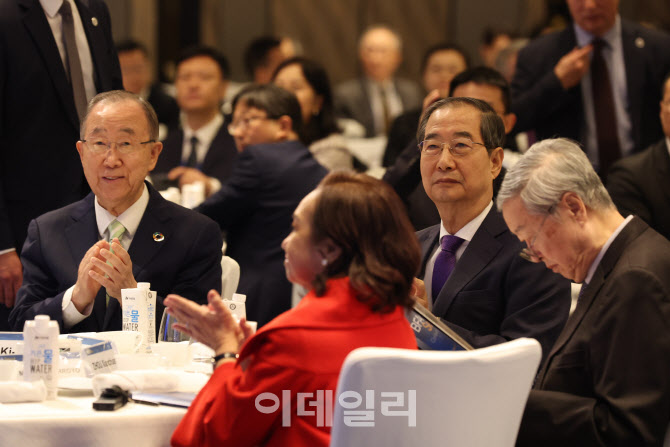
{"x": 77, "y": 259}
{"x": 471, "y": 275}
{"x": 606, "y": 381}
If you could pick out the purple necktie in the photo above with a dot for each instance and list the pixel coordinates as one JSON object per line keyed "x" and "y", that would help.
{"x": 444, "y": 263}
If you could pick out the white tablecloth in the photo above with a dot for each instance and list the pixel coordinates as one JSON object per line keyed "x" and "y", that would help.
{"x": 70, "y": 421}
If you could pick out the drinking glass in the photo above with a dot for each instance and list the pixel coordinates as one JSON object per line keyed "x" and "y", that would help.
{"x": 167, "y": 332}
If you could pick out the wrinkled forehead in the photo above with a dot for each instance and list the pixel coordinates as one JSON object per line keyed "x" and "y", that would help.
{"x": 454, "y": 120}
{"x": 125, "y": 118}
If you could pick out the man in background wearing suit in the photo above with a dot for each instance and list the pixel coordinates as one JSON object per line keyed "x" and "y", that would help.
{"x": 54, "y": 57}
{"x": 77, "y": 259}
{"x": 473, "y": 276}
{"x": 595, "y": 82}
{"x": 606, "y": 381}
{"x": 273, "y": 172}
{"x": 202, "y": 150}
{"x": 377, "y": 97}
{"x": 640, "y": 184}
{"x": 137, "y": 78}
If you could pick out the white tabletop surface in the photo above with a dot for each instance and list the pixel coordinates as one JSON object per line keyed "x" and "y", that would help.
{"x": 71, "y": 421}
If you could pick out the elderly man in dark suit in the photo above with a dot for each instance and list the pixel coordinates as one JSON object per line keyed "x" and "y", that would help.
{"x": 606, "y": 382}
{"x": 273, "y": 172}
{"x": 377, "y": 97}
{"x": 596, "y": 82}
{"x": 77, "y": 259}
{"x": 640, "y": 184}
{"x": 44, "y": 88}
{"x": 473, "y": 276}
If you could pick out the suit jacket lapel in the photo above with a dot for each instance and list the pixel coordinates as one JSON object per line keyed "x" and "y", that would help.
{"x": 631, "y": 231}
{"x": 480, "y": 251}
{"x": 144, "y": 248}
{"x": 36, "y": 22}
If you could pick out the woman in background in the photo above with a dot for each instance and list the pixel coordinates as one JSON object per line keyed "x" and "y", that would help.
{"x": 309, "y": 82}
{"x": 354, "y": 247}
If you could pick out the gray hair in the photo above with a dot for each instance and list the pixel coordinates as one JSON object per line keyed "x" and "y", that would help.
{"x": 548, "y": 170}
{"x": 491, "y": 126}
{"x": 114, "y": 96}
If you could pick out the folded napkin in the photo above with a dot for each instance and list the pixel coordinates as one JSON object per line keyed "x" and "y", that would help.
{"x": 20, "y": 391}
{"x": 150, "y": 381}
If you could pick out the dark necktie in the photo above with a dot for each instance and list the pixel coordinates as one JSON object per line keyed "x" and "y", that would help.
{"x": 582, "y": 291}
{"x": 386, "y": 110}
{"x": 74, "y": 65}
{"x": 609, "y": 149}
{"x": 444, "y": 263}
{"x": 193, "y": 156}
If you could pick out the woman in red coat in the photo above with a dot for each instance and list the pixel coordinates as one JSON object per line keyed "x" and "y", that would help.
{"x": 352, "y": 244}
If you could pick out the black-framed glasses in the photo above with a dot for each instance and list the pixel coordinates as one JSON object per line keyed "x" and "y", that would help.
{"x": 244, "y": 123}
{"x": 124, "y": 147}
{"x": 529, "y": 253}
{"x": 458, "y": 147}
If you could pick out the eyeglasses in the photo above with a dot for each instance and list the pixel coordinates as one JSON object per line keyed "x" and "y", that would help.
{"x": 124, "y": 147}
{"x": 528, "y": 253}
{"x": 458, "y": 147}
{"x": 244, "y": 123}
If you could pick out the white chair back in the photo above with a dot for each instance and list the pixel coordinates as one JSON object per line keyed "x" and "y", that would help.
{"x": 230, "y": 277}
{"x": 466, "y": 399}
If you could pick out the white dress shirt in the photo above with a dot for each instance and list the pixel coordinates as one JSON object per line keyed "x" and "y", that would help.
{"x": 205, "y": 136}
{"x": 466, "y": 233}
{"x": 130, "y": 219}
{"x": 51, "y": 8}
{"x": 613, "y": 55}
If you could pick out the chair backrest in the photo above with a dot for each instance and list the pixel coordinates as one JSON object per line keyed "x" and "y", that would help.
{"x": 466, "y": 399}
{"x": 230, "y": 277}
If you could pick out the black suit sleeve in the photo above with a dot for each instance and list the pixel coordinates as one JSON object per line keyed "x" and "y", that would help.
{"x": 624, "y": 188}
{"x": 40, "y": 292}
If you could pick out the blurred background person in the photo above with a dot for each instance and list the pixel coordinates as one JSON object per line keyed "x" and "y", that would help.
{"x": 309, "y": 82}
{"x": 202, "y": 150}
{"x": 441, "y": 63}
{"x": 492, "y": 43}
{"x": 273, "y": 172}
{"x": 377, "y": 96}
{"x": 359, "y": 289}
{"x": 640, "y": 184}
{"x": 138, "y": 79}
{"x": 262, "y": 57}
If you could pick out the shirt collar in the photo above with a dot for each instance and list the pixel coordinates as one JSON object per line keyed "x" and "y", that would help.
{"x": 51, "y": 7}
{"x": 130, "y": 218}
{"x": 667, "y": 144}
{"x": 468, "y": 231}
{"x": 206, "y": 133}
{"x": 611, "y": 37}
{"x": 596, "y": 261}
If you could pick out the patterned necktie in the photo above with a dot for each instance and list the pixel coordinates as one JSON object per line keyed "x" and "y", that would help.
{"x": 444, "y": 263}
{"x": 193, "y": 156}
{"x": 73, "y": 63}
{"x": 609, "y": 149}
{"x": 386, "y": 110}
{"x": 115, "y": 230}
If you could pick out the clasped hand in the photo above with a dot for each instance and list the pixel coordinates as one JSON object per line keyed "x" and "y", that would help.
{"x": 103, "y": 265}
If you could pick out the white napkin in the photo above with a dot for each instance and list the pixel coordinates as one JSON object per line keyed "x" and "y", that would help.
{"x": 20, "y": 391}
{"x": 150, "y": 381}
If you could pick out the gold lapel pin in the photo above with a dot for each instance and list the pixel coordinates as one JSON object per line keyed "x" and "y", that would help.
{"x": 158, "y": 237}
{"x": 639, "y": 42}
{"x": 94, "y": 21}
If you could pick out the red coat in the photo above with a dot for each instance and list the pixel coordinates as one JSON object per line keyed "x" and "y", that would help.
{"x": 300, "y": 351}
